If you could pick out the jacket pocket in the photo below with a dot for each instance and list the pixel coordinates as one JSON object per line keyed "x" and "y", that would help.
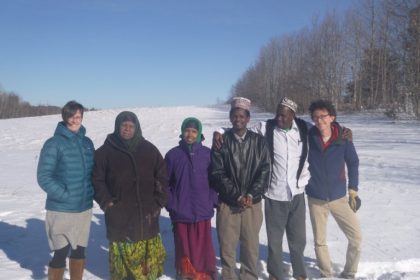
{"x": 115, "y": 218}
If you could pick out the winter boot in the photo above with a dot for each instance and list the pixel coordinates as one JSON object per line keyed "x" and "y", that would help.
{"x": 55, "y": 273}
{"x": 346, "y": 275}
{"x": 77, "y": 267}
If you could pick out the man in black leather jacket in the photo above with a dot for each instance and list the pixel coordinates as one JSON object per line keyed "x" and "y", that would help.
{"x": 240, "y": 173}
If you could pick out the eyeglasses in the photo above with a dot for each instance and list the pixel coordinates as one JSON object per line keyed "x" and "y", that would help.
{"x": 320, "y": 117}
{"x": 76, "y": 118}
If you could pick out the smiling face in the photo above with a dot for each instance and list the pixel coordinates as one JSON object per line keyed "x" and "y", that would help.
{"x": 239, "y": 119}
{"x": 74, "y": 122}
{"x": 284, "y": 117}
{"x": 190, "y": 135}
{"x": 323, "y": 120}
{"x": 127, "y": 130}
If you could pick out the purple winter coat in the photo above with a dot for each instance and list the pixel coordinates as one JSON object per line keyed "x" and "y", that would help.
{"x": 190, "y": 197}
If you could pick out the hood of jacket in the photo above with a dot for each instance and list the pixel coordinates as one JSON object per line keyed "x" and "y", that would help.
{"x": 62, "y": 130}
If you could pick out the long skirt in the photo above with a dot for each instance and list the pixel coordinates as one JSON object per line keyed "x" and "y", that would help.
{"x": 194, "y": 252}
{"x": 142, "y": 260}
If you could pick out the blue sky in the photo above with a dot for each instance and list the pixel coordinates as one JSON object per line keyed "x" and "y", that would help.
{"x": 134, "y": 53}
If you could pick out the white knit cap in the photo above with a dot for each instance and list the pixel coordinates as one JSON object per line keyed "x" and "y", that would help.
{"x": 240, "y": 102}
{"x": 289, "y": 103}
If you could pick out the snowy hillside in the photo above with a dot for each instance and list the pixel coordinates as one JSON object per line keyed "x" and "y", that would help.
{"x": 390, "y": 191}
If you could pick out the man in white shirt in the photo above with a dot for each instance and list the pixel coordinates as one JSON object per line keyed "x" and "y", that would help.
{"x": 284, "y": 200}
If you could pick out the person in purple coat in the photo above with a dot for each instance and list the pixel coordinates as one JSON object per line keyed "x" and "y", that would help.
{"x": 191, "y": 204}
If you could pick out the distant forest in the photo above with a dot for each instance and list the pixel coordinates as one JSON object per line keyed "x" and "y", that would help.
{"x": 12, "y": 106}
{"x": 365, "y": 58}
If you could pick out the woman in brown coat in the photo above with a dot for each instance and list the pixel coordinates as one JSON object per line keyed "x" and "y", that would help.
{"x": 129, "y": 178}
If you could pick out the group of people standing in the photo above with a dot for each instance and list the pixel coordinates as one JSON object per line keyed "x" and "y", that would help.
{"x": 276, "y": 160}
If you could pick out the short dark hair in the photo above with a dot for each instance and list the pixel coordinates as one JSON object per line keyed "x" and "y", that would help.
{"x": 70, "y": 109}
{"x": 248, "y": 114}
{"x": 322, "y": 104}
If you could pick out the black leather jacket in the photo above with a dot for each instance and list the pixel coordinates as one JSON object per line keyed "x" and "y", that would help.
{"x": 241, "y": 168}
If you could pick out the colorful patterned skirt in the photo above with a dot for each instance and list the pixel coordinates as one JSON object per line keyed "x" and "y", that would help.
{"x": 142, "y": 260}
{"x": 194, "y": 252}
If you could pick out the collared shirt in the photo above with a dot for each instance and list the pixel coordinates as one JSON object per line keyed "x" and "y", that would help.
{"x": 240, "y": 138}
{"x": 287, "y": 147}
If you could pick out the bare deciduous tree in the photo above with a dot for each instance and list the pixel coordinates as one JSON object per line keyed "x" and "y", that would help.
{"x": 11, "y": 106}
{"x": 368, "y": 58}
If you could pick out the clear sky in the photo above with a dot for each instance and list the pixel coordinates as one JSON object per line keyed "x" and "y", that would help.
{"x": 135, "y": 53}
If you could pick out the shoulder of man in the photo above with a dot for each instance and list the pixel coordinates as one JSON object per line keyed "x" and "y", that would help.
{"x": 255, "y": 136}
{"x": 302, "y": 123}
{"x": 271, "y": 122}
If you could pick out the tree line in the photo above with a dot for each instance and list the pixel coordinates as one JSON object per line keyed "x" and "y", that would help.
{"x": 12, "y": 106}
{"x": 365, "y": 58}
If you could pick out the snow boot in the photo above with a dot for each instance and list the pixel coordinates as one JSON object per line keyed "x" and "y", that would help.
{"x": 77, "y": 267}
{"x": 346, "y": 276}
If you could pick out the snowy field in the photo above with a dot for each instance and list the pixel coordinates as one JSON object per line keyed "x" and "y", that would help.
{"x": 389, "y": 154}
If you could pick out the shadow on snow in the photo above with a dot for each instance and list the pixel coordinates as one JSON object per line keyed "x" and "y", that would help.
{"x": 28, "y": 246}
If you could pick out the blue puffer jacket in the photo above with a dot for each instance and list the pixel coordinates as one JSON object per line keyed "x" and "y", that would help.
{"x": 328, "y": 177}
{"x": 64, "y": 170}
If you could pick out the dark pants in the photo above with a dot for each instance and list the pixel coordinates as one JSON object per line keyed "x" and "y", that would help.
{"x": 289, "y": 216}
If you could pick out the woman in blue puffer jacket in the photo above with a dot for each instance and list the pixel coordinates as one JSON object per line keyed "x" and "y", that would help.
{"x": 64, "y": 173}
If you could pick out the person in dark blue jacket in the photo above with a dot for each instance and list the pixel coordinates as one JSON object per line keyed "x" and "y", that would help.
{"x": 64, "y": 173}
{"x": 329, "y": 155}
{"x": 191, "y": 203}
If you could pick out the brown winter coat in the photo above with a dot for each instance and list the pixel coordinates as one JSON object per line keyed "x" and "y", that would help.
{"x": 135, "y": 182}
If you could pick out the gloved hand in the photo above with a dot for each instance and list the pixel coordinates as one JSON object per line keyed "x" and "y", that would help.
{"x": 347, "y": 134}
{"x": 354, "y": 200}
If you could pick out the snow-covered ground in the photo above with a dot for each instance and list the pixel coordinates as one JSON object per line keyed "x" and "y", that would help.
{"x": 389, "y": 154}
